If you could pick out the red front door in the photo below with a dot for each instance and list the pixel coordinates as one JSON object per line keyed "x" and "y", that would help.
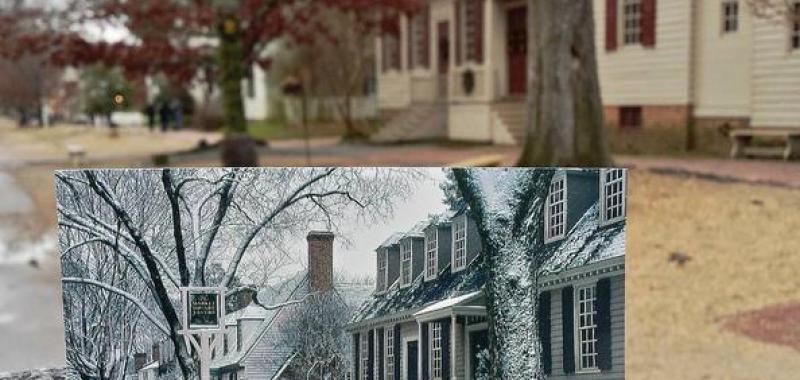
{"x": 517, "y": 46}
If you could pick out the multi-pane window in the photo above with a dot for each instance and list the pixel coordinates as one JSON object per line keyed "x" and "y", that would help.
{"x": 419, "y": 47}
{"x": 730, "y": 16}
{"x": 587, "y": 328}
{"x": 630, "y": 117}
{"x": 471, "y": 18}
{"x": 405, "y": 262}
{"x": 389, "y": 353}
{"x": 431, "y": 248}
{"x": 390, "y": 44}
{"x": 364, "y": 355}
{"x": 612, "y": 195}
{"x": 556, "y": 209}
{"x": 795, "y": 25}
{"x": 381, "y": 280}
{"x": 436, "y": 350}
{"x": 632, "y": 21}
{"x": 459, "y": 244}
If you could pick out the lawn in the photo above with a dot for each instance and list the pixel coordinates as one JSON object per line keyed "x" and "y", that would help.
{"x": 278, "y": 130}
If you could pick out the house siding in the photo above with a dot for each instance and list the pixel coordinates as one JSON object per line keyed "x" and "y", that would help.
{"x": 722, "y": 62}
{"x": 418, "y": 256}
{"x": 445, "y": 246}
{"x": 637, "y": 75}
{"x": 582, "y": 192}
{"x": 474, "y": 242}
{"x": 617, "y": 336}
{"x": 776, "y": 75}
{"x": 393, "y": 267}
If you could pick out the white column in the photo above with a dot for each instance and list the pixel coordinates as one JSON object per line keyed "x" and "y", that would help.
{"x": 453, "y": 346}
{"x": 419, "y": 350}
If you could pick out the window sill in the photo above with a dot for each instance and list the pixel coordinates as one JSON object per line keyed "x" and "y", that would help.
{"x": 587, "y": 371}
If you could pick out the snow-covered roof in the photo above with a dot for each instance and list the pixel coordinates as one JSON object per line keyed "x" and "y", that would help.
{"x": 418, "y": 230}
{"x": 391, "y": 240}
{"x": 450, "y": 302}
{"x": 267, "y": 341}
{"x": 588, "y": 242}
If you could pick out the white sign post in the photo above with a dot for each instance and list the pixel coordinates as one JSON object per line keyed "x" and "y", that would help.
{"x": 203, "y": 321}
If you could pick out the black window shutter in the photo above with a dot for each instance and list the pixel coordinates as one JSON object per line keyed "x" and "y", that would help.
{"x": 446, "y": 348}
{"x": 381, "y": 352}
{"x": 603, "y": 307}
{"x": 371, "y": 357}
{"x": 568, "y": 327}
{"x": 356, "y": 352}
{"x": 543, "y": 317}
{"x": 424, "y": 352}
{"x": 398, "y": 351}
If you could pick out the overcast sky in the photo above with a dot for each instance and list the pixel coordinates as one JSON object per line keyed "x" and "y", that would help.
{"x": 360, "y": 258}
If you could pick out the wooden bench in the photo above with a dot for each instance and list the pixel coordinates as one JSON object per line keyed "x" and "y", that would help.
{"x": 742, "y": 143}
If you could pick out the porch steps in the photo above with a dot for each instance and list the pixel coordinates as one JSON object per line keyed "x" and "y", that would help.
{"x": 513, "y": 116}
{"x": 419, "y": 122}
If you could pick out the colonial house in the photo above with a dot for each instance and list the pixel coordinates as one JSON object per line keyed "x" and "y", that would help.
{"x": 457, "y": 68}
{"x": 254, "y": 344}
{"x": 427, "y": 318}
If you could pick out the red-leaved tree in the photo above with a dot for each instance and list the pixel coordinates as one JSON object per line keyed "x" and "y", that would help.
{"x": 185, "y": 40}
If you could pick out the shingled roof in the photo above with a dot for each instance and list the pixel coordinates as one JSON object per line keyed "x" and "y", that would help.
{"x": 588, "y": 242}
{"x": 267, "y": 344}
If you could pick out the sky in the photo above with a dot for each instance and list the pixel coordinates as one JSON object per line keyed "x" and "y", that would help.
{"x": 359, "y": 258}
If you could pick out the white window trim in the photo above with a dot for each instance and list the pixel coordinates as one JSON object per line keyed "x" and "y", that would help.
{"x": 435, "y": 251}
{"x": 724, "y": 16}
{"x": 622, "y": 24}
{"x": 389, "y": 333}
{"x": 410, "y": 261}
{"x": 603, "y": 197}
{"x": 433, "y": 349}
{"x": 576, "y": 323}
{"x": 558, "y": 176}
{"x": 453, "y": 260}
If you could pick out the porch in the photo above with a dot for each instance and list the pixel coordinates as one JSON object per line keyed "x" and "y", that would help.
{"x": 469, "y": 56}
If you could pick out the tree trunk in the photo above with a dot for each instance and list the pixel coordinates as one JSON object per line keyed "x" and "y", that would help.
{"x": 512, "y": 265}
{"x": 565, "y": 113}
{"x": 238, "y": 149}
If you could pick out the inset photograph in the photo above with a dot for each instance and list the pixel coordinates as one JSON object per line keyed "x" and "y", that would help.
{"x": 344, "y": 273}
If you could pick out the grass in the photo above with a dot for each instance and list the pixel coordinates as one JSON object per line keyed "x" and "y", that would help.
{"x": 742, "y": 240}
{"x": 278, "y": 130}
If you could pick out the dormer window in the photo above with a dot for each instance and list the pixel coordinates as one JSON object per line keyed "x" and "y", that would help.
{"x": 459, "y": 244}
{"x": 612, "y": 195}
{"x": 405, "y": 262}
{"x": 382, "y": 259}
{"x": 431, "y": 257}
{"x": 555, "y": 218}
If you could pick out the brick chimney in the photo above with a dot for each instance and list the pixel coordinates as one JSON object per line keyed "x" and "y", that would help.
{"x": 320, "y": 260}
{"x": 139, "y": 360}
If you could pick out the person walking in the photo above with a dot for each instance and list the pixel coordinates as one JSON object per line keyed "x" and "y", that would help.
{"x": 177, "y": 114}
{"x": 164, "y": 114}
{"x": 150, "y": 112}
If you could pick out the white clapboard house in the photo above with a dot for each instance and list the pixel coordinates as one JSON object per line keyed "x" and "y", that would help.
{"x": 427, "y": 316}
{"x": 457, "y": 68}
